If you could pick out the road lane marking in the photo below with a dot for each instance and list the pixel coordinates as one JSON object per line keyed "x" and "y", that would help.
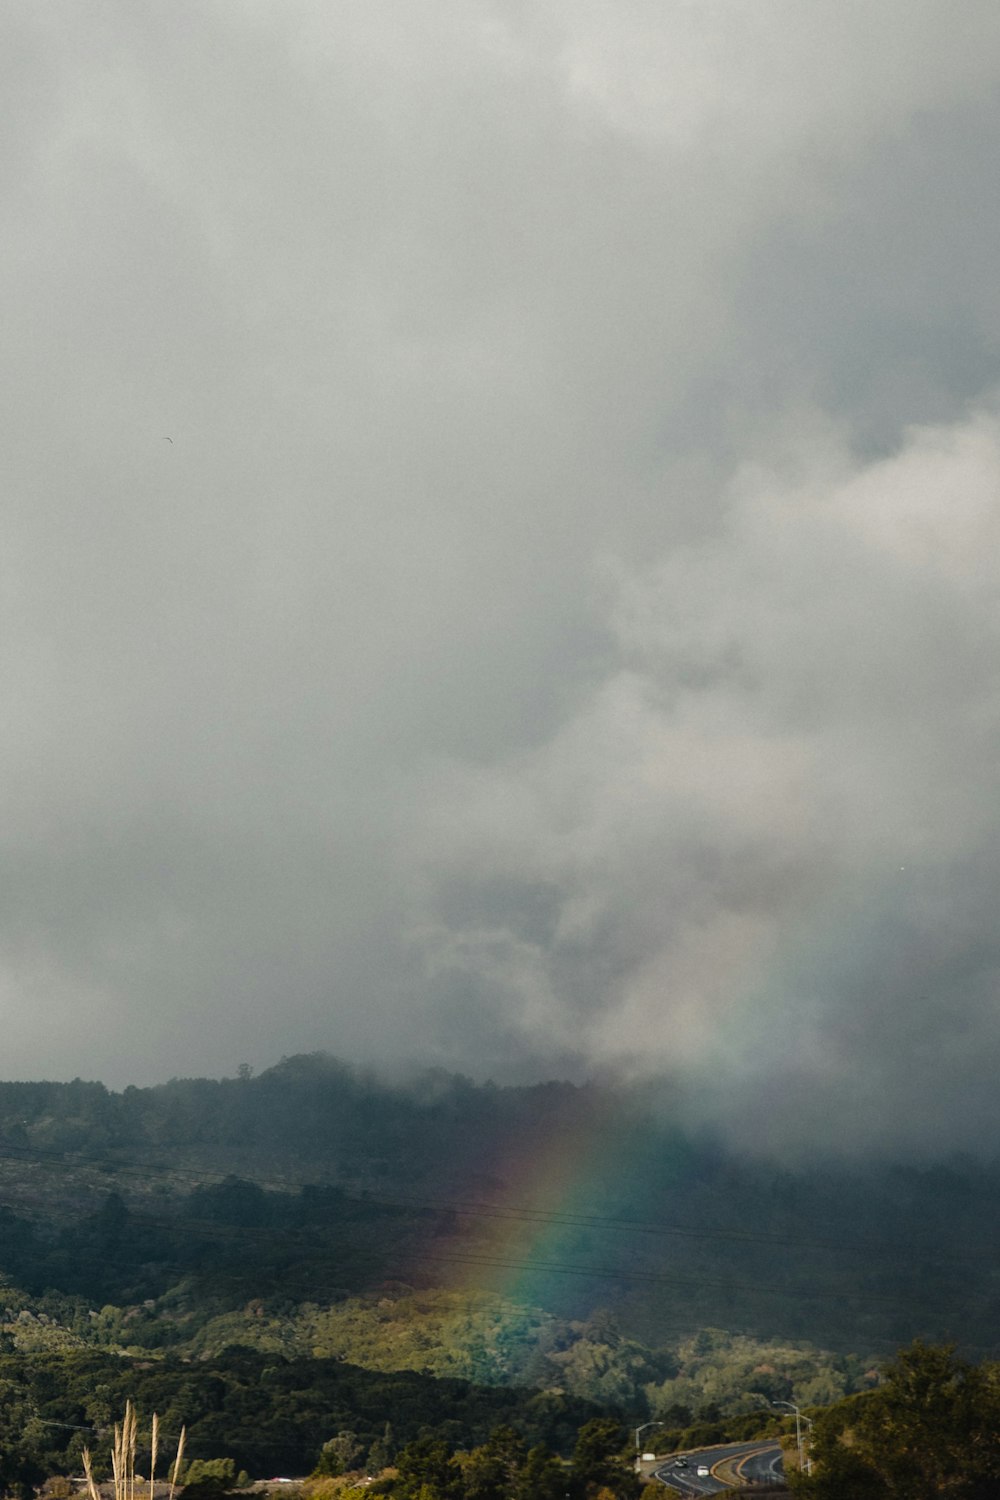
{"x": 729, "y": 1470}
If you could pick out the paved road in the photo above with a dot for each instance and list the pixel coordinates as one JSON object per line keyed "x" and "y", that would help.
{"x": 755, "y": 1461}
{"x": 764, "y": 1465}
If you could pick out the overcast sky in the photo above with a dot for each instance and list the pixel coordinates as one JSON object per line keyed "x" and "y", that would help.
{"x": 501, "y": 546}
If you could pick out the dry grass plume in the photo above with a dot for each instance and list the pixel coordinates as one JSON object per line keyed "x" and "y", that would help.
{"x": 123, "y": 1453}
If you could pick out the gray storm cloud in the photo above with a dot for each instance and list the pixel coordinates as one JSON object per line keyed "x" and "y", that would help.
{"x": 761, "y": 855}
{"x": 559, "y": 632}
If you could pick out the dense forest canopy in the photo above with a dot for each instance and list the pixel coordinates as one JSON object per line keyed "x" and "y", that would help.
{"x": 472, "y": 1254}
{"x": 568, "y": 1198}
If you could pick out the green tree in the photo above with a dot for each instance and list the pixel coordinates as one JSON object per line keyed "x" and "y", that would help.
{"x": 427, "y": 1471}
{"x": 543, "y": 1477}
{"x": 932, "y": 1429}
{"x": 381, "y": 1451}
{"x": 491, "y": 1471}
{"x": 340, "y": 1453}
{"x": 207, "y": 1478}
{"x": 601, "y": 1459}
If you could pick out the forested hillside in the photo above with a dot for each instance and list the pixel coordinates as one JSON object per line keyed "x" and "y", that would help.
{"x": 566, "y": 1239}
{"x": 269, "y": 1416}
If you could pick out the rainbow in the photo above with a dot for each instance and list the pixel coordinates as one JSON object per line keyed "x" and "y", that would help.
{"x": 555, "y": 1192}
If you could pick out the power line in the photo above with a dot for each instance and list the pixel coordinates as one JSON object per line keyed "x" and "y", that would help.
{"x": 295, "y": 1236}
{"x": 467, "y": 1208}
{"x": 302, "y": 1281}
{"x": 299, "y": 1238}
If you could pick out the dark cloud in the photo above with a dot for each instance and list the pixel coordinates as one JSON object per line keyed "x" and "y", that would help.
{"x": 559, "y": 633}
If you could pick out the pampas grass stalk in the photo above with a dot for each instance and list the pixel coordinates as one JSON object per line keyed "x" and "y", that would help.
{"x": 116, "y": 1461}
{"x": 133, "y": 1433}
{"x": 176, "y": 1470}
{"x": 91, "y": 1486}
{"x": 123, "y": 1451}
{"x": 153, "y": 1440}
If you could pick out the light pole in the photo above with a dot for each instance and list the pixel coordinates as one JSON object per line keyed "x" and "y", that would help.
{"x": 638, "y": 1433}
{"x": 805, "y": 1463}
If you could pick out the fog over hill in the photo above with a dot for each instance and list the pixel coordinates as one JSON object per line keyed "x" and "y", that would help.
{"x": 501, "y": 553}
{"x": 551, "y": 1214}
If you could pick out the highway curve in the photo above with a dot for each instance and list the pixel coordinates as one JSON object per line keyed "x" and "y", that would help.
{"x": 729, "y": 1465}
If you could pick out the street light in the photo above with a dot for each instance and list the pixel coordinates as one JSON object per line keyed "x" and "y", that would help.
{"x": 638, "y": 1433}
{"x": 805, "y": 1463}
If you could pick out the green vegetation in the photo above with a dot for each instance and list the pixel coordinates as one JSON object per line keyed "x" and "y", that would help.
{"x": 505, "y": 1468}
{"x": 931, "y": 1429}
{"x": 324, "y": 1183}
{"x": 266, "y": 1414}
{"x": 480, "y": 1338}
{"x": 715, "y": 1371}
{"x": 290, "y": 1262}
